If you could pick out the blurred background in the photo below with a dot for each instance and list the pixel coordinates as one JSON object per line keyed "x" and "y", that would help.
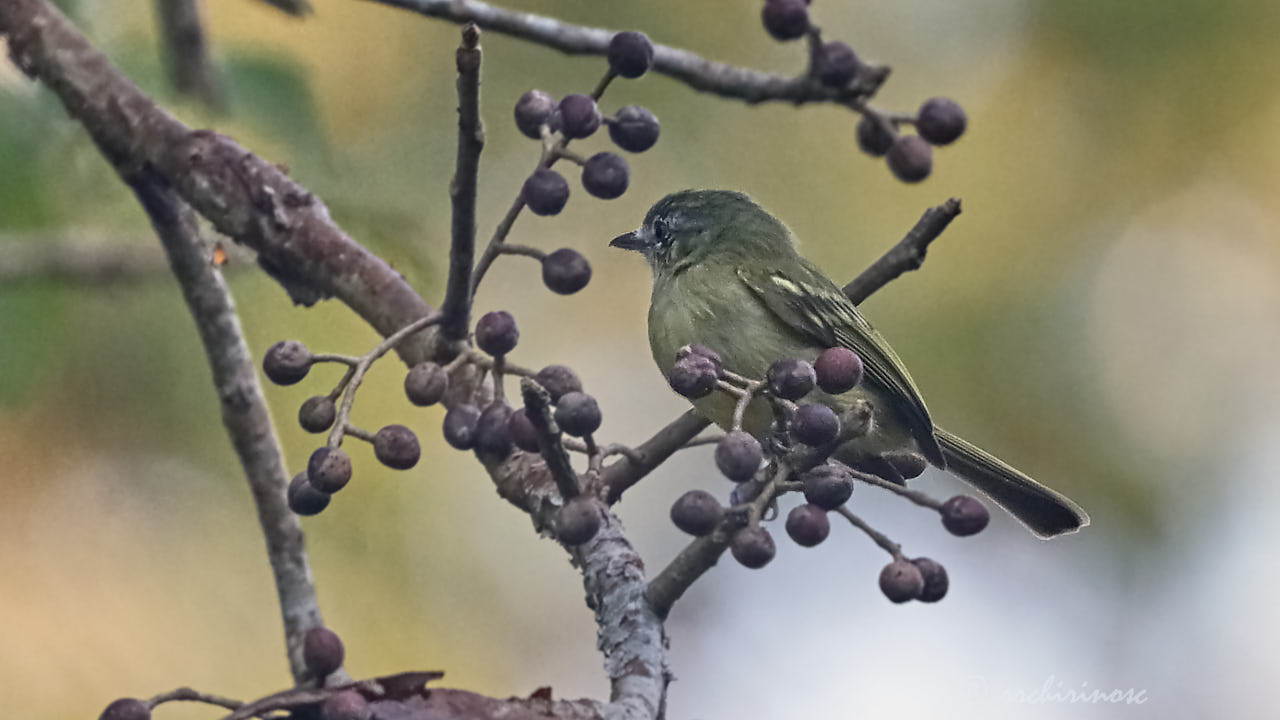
{"x": 1103, "y": 315}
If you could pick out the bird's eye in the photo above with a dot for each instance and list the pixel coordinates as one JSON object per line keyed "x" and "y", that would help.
{"x": 661, "y": 231}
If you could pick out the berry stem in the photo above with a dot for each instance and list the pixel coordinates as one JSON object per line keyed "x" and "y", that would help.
{"x": 525, "y": 250}
{"x": 190, "y": 695}
{"x": 914, "y": 496}
{"x": 880, "y": 538}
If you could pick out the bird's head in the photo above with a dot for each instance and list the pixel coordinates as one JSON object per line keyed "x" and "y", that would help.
{"x": 693, "y": 227}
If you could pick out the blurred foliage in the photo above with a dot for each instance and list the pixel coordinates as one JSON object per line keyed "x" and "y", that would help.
{"x": 1069, "y": 320}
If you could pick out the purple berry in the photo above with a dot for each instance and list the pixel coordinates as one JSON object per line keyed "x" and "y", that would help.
{"x": 630, "y": 54}
{"x": 496, "y": 333}
{"x": 577, "y": 522}
{"x": 963, "y": 515}
{"x": 837, "y": 370}
{"x": 579, "y": 116}
{"x": 322, "y": 651}
{"x": 696, "y": 512}
{"x": 460, "y": 426}
{"x": 790, "y": 379}
{"x": 126, "y": 709}
{"x": 317, "y": 414}
{"x": 545, "y": 192}
{"x": 303, "y": 498}
{"x": 287, "y": 362}
{"x": 753, "y": 547}
{"x": 426, "y": 383}
{"x": 910, "y": 158}
{"x": 565, "y": 271}
{"x": 693, "y": 376}
{"x": 828, "y": 486}
{"x": 901, "y": 581}
{"x": 941, "y": 121}
{"x": 606, "y": 175}
{"x": 738, "y": 456}
{"x": 874, "y": 136}
{"x": 786, "y": 19}
{"x": 578, "y": 414}
{"x": 396, "y": 446}
{"x": 492, "y": 434}
{"x": 815, "y": 425}
{"x": 329, "y": 469}
{"x": 808, "y": 525}
{"x": 935, "y": 579}
{"x": 522, "y": 431}
{"x": 634, "y": 129}
{"x": 558, "y": 380}
{"x": 837, "y": 64}
{"x": 533, "y": 110}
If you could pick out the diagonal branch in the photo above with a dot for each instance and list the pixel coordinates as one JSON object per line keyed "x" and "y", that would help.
{"x": 631, "y": 468}
{"x": 186, "y": 51}
{"x": 462, "y": 190}
{"x": 907, "y": 255}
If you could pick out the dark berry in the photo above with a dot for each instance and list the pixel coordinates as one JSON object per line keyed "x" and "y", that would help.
{"x": 579, "y": 116}
{"x": 910, "y": 158}
{"x": 963, "y": 515}
{"x": 126, "y": 709}
{"x": 545, "y": 191}
{"x": 606, "y": 175}
{"x": 828, "y": 486}
{"x": 693, "y": 376}
{"x": 492, "y": 435}
{"x": 941, "y": 121}
{"x": 322, "y": 651}
{"x": 577, "y": 522}
{"x": 460, "y": 426}
{"x": 875, "y": 137}
{"x": 738, "y": 456}
{"x": 704, "y": 351}
{"x": 396, "y": 447}
{"x": 634, "y": 128}
{"x": 346, "y": 705}
{"x": 303, "y": 498}
{"x": 329, "y": 469}
{"x": 630, "y": 54}
{"x": 522, "y": 431}
{"x": 565, "y": 271}
{"x": 533, "y": 110}
{"x": 815, "y": 425}
{"x": 901, "y": 581}
{"x": 558, "y": 380}
{"x": 578, "y": 414}
{"x": 317, "y": 414}
{"x": 287, "y": 362}
{"x": 786, "y": 19}
{"x": 808, "y": 525}
{"x": 753, "y": 547}
{"x": 696, "y": 512}
{"x": 496, "y": 333}
{"x": 790, "y": 379}
{"x": 837, "y": 370}
{"x": 837, "y": 64}
{"x": 935, "y": 579}
{"x": 426, "y": 383}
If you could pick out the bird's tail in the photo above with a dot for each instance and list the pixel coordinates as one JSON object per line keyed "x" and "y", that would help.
{"x": 1044, "y": 511}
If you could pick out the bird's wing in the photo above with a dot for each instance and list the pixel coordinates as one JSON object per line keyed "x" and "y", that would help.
{"x": 808, "y": 302}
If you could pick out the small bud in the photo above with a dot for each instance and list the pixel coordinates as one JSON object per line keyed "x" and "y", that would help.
{"x": 901, "y": 581}
{"x": 329, "y": 469}
{"x": 578, "y": 414}
{"x": 303, "y": 498}
{"x": 460, "y": 426}
{"x": 426, "y": 383}
{"x": 396, "y": 447}
{"x": 630, "y": 54}
{"x": 693, "y": 376}
{"x": 606, "y": 175}
{"x": 704, "y": 351}
{"x": 565, "y": 271}
{"x": 493, "y": 437}
{"x": 941, "y": 121}
{"x": 126, "y": 709}
{"x": 579, "y": 116}
{"x": 836, "y": 64}
{"x": 738, "y": 456}
{"x": 545, "y": 192}
{"x": 963, "y": 515}
{"x": 322, "y": 651}
{"x": 558, "y": 380}
{"x": 496, "y": 333}
{"x": 532, "y": 111}
{"x": 786, "y": 19}
{"x": 837, "y": 370}
{"x": 522, "y": 432}
{"x": 875, "y": 137}
{"x": 317, "y": 414}
{"x": 753, "y": 547}
{"x": 935, "y": 579}
{"x": 577, "y": 522}
{"x": 910, "y": 158}
{"x": 815, "y": 425}
{"x": 287, "y": 362}
{"x": 346, "y": 705}
{"x": 790, "y": 379}
{"x": 828, "y": 486}
{"x": 696, "y": 512}
{"x": 808, "y": 525}
{"x": 634, "y": 128}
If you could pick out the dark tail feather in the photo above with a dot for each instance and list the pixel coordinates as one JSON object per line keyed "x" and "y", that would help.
{"x": 1045, "y": 512}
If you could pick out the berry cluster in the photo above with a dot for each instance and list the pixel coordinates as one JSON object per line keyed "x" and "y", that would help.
{"x": 804, "y": 434}
{"x": 577, "y": 116}
{"x": 835, "y": 65}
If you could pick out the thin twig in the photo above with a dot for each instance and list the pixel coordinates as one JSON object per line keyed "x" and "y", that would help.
{"x": 880, "y": 538}
{"x": 915, "y": 496}
{"x": 462, "y": 190}
{"x": 191, "y": 695}
{"x": 186, "y": 51}
{"x": 627, "y": 471}
{"x": 908, "y": 254}
{"x": 538, "y": 404}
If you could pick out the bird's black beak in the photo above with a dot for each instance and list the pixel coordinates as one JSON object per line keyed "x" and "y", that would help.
{"x": 634, "y": 240}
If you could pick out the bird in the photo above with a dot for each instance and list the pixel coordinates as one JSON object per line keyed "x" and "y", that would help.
{"x": 727, "y": 275}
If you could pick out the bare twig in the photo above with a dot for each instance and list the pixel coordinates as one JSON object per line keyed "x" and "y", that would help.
{"x": 191, "y": 695}
{"x": 915, "y": 496}
{"x": 908, "y": 254}
{"x": 244, "y": 410}
{"x": 538, "y": 402}
{"x": 462, "y": 190}
{"x": 880, "y": 538}
{"x": 626, "y": 471}
{"x": 297, "y": 8}
{"x": 187, "y": 51}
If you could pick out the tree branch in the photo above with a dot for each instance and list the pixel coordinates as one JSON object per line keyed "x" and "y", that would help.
{"x": 908, "y": 254}
{"x": 626, "y": 471}
{"x": 90, "y": 261}
{"x": 186, "y": 51}
{"x": 462, "y": 190}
